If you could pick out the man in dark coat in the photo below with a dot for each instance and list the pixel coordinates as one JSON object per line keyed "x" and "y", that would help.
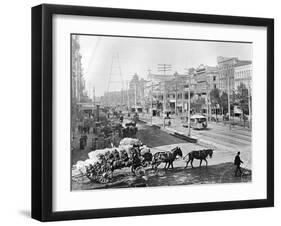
{"x": 237, "y": 163}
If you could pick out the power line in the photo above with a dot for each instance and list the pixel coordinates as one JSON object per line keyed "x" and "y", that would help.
{"x": 164, "y": 68}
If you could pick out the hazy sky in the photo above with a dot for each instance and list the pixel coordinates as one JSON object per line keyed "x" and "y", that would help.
{"x": 137, "y": 55}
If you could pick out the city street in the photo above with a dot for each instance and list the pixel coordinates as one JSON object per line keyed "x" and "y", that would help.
{"x": 220, "y": 166}
{"x": 218, "y": 136}
{"x": 115, "y": 102}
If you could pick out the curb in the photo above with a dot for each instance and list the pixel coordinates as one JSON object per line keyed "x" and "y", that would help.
{"x": 175, "y": 134}
{"x": 184, "y": 137}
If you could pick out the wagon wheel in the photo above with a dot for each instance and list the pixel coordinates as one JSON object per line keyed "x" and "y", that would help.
{"x": 103, "y": 174}
{"x": 98, "y": 173}
{"x": 139, "y": 171}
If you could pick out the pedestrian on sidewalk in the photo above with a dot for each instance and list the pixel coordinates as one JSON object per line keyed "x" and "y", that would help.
{"x": 237, "y": 163}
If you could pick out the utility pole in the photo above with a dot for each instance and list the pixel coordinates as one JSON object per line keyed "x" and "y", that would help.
{"x": 250, "y": 109}
{"x": 228, "y": 95}
{"x": 94, "y": 95}
{"x": 128, "y": 98}
{"x": 188, "y": 112}
{"x": 151, "y": 101}
{"x": 207, "y": 98}
{"x": 176, "y": 99}
{"x": 164, "y": 102}
{"x": 135, "y": 97}
{"x": 189, "y": 126}
{"x": 164, "y": 68}
{"x": 182, "y": 100}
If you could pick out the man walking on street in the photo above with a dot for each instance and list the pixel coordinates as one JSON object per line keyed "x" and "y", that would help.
{"x": 237, "y": 163}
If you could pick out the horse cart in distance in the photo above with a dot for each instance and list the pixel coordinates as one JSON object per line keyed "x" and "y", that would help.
{"x": 130, "y": 129}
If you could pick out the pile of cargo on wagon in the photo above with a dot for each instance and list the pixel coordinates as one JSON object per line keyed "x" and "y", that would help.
{"x": 101, "y": 164}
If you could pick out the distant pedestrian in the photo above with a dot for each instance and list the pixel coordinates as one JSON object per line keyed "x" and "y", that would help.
{"x": 81, "y": 141}
{"x": 237, "y": 163}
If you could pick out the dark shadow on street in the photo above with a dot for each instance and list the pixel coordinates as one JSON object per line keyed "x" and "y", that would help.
{"x": 154, "y": 137}
{"x": 214, "y": 174}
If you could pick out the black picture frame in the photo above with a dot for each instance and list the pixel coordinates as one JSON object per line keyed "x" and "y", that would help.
{"x": 42, "y": 107}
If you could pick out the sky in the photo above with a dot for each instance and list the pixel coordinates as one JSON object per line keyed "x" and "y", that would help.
{"x": 122, "y": 57}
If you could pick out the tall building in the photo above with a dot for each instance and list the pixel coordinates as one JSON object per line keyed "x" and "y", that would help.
{"x": 78, "y": 82}
{"x": 243, "y": 74}
{"x": 169, "y": 92}
{"x": 136, "y": 92}
{"x": 226, "y": 70}
{"x": 206, "y": 78}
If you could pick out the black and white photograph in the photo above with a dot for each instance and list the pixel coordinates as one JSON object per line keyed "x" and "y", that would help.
{"x": 149, "y": 111}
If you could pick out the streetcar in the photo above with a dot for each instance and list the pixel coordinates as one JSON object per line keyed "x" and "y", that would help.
{"x": 196, "y": 122}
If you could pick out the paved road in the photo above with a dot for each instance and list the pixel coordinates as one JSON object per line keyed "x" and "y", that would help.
{"x": 218, "y": 136}
{"x": 220, "y": 170}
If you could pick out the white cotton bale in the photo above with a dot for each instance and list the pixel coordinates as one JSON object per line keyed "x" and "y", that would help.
{"x": 130, "y": 141}
{"x": 80, "y": 165}
{"x": 126, "y": 148}
{"x": 144, "y": 150}
{"x": 89, "y": 162}
{"x": 94, "y": 154}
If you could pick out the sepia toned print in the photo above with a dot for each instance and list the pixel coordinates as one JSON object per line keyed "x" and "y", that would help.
{"x": 159, "y": 112}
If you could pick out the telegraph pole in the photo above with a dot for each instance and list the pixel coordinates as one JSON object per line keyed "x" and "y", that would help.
{"x": 94, "y": 95}
{"x": 208, "y": 96}
{"x": 188, "y": 113}
{"x": 164, "y": 68}
{"x": 151, "y": 101}
{"x": 128, "y": 98}
{"x": 164, "y": 102}
{"x": 228, "y": 96}
{"x": 250, "y": 109}
{"x": 176, "y": 99}
{"x": 135, "y": 97}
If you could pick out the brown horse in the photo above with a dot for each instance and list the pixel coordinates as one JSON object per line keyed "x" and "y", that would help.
{"x": 167, "y": 157}
{"x": 201, "y": 155}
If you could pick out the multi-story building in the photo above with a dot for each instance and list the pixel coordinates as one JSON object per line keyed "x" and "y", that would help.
{"x": 177, "y": 93}
{"x": 78, "y": 81}
{"x": 169, "y": 92}
{"x": 136, "y": 93}
{"x": 226, "y": 70}
{"x": 243, "y": 74}
{"x": 78, "y": 93}
{"x": 156, "y": 91}
{"x": 206, "y": 79}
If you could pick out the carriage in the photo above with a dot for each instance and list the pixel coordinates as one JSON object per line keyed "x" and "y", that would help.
{"x": 132, "y": 153}
{"x": 130, "y": 130}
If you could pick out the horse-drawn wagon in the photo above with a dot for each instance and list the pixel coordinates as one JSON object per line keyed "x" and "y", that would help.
{"x": 102, "y": 163}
